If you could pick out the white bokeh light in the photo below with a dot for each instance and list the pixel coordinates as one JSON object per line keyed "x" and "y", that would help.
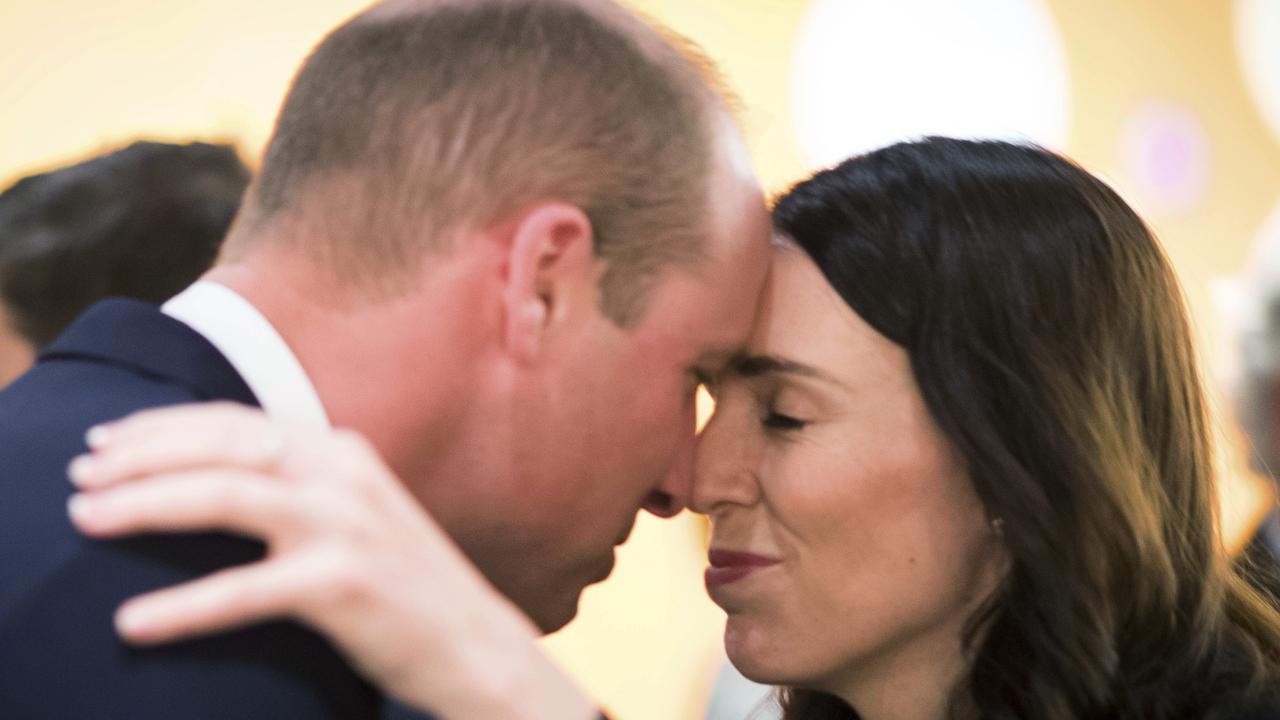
{"x": 867, "y": 73}
{"x": 1258, "y": 49}
{"x": 1241, "y": 306}
{"x": 1261, "y": 273}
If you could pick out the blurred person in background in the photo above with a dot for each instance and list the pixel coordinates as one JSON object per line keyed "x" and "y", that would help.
{"x": 1257, "y": 402}
{"x": 142, "y": 222}
{"x": 962, "y": 470}
{"x": 499, "y": 243}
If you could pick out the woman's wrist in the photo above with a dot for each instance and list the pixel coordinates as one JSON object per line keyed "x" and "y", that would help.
{"x": 499, "y": 672}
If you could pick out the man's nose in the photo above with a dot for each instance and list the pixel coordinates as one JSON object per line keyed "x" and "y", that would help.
{"x": 672, "y": 495}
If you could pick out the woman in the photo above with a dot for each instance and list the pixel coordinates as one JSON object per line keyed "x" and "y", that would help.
{"x": 968, "y": 475}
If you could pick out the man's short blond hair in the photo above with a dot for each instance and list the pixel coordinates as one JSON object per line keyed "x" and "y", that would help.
{"x": 402, "y": 129}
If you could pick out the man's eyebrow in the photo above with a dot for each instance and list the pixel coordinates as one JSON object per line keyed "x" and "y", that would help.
{"x": 721, "y": 354}
{"x": 752, "y": 366}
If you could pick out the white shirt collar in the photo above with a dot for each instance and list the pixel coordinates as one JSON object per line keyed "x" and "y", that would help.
{"x": 254, "y": 348}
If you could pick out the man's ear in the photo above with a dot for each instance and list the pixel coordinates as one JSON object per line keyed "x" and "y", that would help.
{"x": 549, "y": 265}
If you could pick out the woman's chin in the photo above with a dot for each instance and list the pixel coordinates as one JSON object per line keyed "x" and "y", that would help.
{"x": 767, "y": 656}
{"x": 758, "y": 674}
{"x": 752, "y": 653}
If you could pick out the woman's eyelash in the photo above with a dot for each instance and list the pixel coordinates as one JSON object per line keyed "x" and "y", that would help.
{"x": 702, "y": 379}
{"x": 783, "y": 423}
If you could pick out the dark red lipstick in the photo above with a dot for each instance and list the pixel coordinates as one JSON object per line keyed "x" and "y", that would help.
{"x": 730, "y": 566}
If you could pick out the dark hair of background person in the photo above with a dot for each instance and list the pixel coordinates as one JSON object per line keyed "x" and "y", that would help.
{"x": 1049, "y": 339}
{"x": 412, "y": 123}
{"x": 142, "y": 222}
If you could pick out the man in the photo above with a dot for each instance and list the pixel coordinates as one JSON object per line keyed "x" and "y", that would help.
{"x": 141, "y": 222}
{"x": 503, "y": 241}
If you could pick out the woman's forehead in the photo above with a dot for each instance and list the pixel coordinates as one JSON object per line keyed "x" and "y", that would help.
{"x": 805, "y": 320}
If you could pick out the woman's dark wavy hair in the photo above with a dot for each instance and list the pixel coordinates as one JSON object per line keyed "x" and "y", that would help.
{"x": 1049, "y": 339}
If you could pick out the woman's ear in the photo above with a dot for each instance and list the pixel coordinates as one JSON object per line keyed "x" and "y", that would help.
{"x": 550, "y": 263}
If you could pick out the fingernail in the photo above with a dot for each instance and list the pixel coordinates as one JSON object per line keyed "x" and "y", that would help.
{"x": 130, "y": 621}
{"x": 79, "y": 470}
{"x": 96, "y": 436}
{"x": 78, "y": 507}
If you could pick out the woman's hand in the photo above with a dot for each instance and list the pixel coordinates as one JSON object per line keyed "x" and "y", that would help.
{"x": 350, "y": 552}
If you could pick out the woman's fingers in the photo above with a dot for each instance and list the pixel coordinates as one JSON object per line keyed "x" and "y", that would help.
{"x": 225, "y": 600}
{"x": 351, "y": 553}
{"x": 223, "y": 500}
{"x": 179, "y": 437}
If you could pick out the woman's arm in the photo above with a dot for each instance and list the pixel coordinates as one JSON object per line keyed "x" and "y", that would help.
{"x": 349, "y": 552}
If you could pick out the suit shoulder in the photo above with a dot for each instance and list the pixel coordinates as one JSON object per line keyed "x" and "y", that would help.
{"x": 43, "y": 419}
{"x": 60, "y": 656}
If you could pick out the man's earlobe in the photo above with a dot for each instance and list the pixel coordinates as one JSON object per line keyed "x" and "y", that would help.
{"x": 525, "y": 328}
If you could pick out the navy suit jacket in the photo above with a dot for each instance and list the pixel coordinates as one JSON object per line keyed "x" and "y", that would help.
{"x": 59, "y": 655}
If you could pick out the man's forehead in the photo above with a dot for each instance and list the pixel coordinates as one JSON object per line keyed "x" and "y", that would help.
{"x": 712, "y": 302}
{"x": 728, "y": 323}
{"x": 722, "y": 354}
{"x": 734, "y": 152}
{"x": 701, "y": 318}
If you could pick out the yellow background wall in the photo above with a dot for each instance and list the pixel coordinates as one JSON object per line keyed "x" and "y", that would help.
{"x": 80, "y": 75}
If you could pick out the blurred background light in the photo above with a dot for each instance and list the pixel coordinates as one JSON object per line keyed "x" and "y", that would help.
{"x": 867, "y": 73}
{"x": 1166, "y": 157}
{"x": 1263, "y": 268}
{"x": 1257, "y": 29}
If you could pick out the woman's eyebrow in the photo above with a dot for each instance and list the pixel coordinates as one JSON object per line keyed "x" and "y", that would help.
{"x": 752, "y": 366}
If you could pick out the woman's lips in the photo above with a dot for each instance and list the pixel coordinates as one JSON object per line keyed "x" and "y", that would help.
{"x": 730, "y": 566}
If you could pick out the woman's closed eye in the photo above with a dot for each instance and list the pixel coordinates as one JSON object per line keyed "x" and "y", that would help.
{"x": 777, "y": 422}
